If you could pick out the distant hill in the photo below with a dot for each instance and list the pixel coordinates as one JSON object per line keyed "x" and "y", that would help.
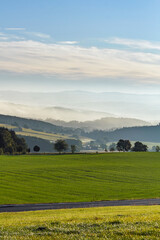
{"x": 37, "y": 125}
{"x": 79, "y": 105}
{"x": 107, "y": 123}
{"x": 146, "y": 133}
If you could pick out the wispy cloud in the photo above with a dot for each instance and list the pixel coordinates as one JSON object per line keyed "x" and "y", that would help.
{"x": 139, "y": 44}
{"x": 15, "y": 29}
{"x": 75, "y": 62}
{"x": 3, "y": 38}
{"x": 38, "y": 34}
{"x": 69, "y": 42}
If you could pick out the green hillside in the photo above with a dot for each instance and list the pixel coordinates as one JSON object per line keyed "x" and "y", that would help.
{"x": 83, "y": 177}
{"x": 27, "y": 132}
{"x": 33, "y": 133}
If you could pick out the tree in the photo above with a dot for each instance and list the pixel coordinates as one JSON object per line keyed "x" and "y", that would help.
{"x": 9, "y": 150}
{"x": 1, "y": 151}
{"x": 60, "y": 145}
{"x": 106, "y": 149}
{"x": 19, "y": 149}
{"x": 157, "y": 148}
{"x": 28, "y": 150}
{"x": 36, "y": 148}
{"x": 128, "y": 145}
{"x": 123, "y": 145}
{"x": 139, "y": 147}
{"x": 20, "y": 144}
{"x": 11, "y": 143}
{"x": 73, "y": 148}
{"x": 75, "y": 142}
{"x": 120, "y": 145}
{"x": 154, "y": 148}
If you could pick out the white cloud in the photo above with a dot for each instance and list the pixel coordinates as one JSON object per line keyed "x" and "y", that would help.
{"x": 15, "y": 29}
{"x": 140, "y": 44}
{"x": 3, "y": 38}
{"x": 67, "y": 60}
{"x": 69, "y": 42}
{"x": 38, "y": 34}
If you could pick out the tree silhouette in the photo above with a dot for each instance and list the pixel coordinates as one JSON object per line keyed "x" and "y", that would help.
{"x": 60, "y": 145}
{"x": 139, "y": 147}
{"x": 73, "y": 148}
{"x": 36, "y": 148}
{"x": 123, "y": 145}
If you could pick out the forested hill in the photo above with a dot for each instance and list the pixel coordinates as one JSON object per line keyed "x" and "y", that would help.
{"x": 147, "y": 133}
{"x": 150, "y": 133}
{"x": 36, "y": 125}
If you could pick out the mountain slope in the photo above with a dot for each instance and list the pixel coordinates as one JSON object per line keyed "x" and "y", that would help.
{"x": 146, "y": 134}
{"x": 101, "y": 124}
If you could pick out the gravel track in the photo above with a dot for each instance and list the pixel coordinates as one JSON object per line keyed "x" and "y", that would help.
{"x": 49, "y": 206}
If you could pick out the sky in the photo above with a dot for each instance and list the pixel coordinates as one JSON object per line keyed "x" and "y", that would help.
{"x": 89, "y": 45}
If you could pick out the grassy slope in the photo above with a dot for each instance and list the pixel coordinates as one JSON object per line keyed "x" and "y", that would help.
{"x": 43, "y": 135}
{"x": 62, "y": 178}
{"x": 89, "y": 224}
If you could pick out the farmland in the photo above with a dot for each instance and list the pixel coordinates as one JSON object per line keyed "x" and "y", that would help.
{"x": 79, "y": 177}
{"x": 42, "y": 135}
{"x": 95, "y": 223}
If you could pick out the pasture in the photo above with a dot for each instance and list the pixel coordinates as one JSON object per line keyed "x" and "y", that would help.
{"x": 79, "y": 177}
{"x": 88, "y": 224}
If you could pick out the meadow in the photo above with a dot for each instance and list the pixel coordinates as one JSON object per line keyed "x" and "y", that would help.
{"x": 79, "y": 177}
{"x": 127, "y": 223}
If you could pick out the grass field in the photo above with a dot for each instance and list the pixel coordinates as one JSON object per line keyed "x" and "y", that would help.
{"x": 112, "y": 223}
{"x": 66, "y": 178}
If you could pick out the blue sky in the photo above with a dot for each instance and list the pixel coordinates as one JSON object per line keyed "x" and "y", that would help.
{"x": 105, "y": 45}
{"x": 84, "y": 20}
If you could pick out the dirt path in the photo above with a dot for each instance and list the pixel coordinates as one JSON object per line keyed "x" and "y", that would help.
{"x": 47, "y": 206}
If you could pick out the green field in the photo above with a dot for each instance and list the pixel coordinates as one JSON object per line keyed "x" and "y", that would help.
{"x": 112, "y": 223}
{"x": 79, "y": 177}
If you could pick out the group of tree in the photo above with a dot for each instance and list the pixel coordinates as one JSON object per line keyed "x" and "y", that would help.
{"x": 156, "y": 148}
{"x": 10, "y": 143}
{"x": 62, "y": 146}
{"x": 139, "y": 147}
{"x": 125, "y": 146}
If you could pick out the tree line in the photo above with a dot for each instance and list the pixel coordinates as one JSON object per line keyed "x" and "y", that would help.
{"x": 60, "y": 146}
{"x": 125, "y": 146}
{"x": 10, "y": 143}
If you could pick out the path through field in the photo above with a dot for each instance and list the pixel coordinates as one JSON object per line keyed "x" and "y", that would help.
{"x": 49, "y": 206}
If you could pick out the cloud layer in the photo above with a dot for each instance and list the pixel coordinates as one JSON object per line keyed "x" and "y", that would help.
{"x": 68, "y": 60}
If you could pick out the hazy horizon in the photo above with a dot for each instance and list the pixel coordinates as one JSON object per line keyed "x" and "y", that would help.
{"x": 80, "y": 105}
{"x": 97, "y": 59}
